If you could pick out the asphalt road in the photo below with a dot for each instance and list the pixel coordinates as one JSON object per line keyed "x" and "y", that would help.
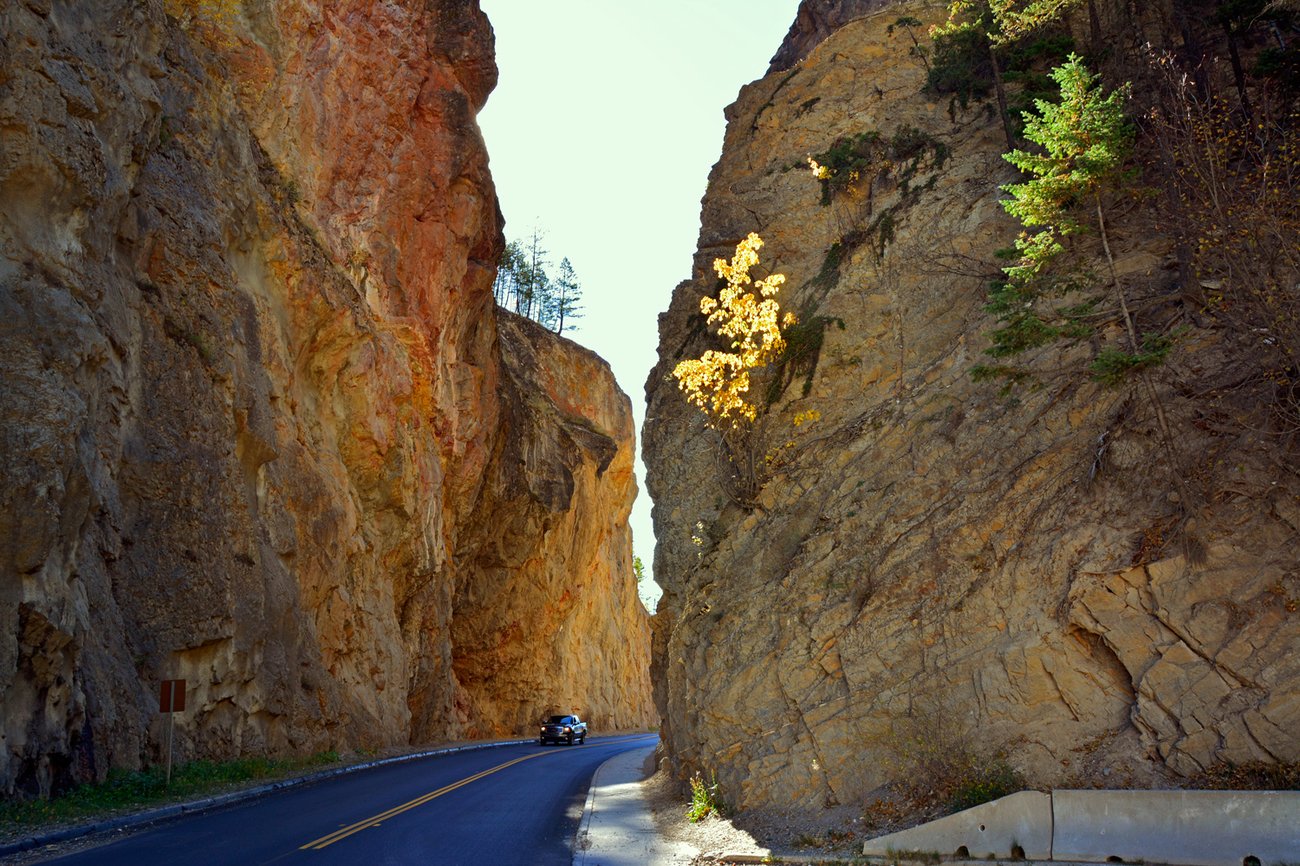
{"x": 491, "y": 807}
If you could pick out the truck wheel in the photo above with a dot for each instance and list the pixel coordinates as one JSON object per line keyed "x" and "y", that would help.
{"x": 570, "y": 739}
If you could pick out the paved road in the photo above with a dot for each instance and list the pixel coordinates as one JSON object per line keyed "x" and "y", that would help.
{"x": 491, "y": 807}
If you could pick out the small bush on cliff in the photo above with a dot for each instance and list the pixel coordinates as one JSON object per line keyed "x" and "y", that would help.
{"x": 859, "y": 160}
{"x": 1255, "y": 776}
{"x": 748, "y": 315}
{"x": 718, "y": 382}
{"x": 984, "y": 782}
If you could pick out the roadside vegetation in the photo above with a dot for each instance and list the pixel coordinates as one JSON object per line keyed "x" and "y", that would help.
{"x": 705, "y": 800}
{"x": 937, "y": 770}
{"x": 131, "y": 789}
{"x": 1250, "y": 777}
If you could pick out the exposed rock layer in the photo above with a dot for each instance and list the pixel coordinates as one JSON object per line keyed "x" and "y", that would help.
{"x": 257, "y": 428}
{"x": 815, "y": 20}
{"x": 928, "y": 557}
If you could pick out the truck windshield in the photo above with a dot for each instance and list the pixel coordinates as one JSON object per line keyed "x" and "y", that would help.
{"x": 557, "y": 720}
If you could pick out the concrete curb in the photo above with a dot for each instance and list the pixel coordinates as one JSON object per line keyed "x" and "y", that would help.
{"x": 194, "y": 807}
{"x": 617, "y": 828}
{"x": 582, "y": 841}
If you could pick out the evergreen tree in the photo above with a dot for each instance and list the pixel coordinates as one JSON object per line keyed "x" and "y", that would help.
{"x": 534, "y": 282}
{"x": 994, "y": 25}
{"x": 505, "y": 287}
{"x": 522, "y": 283}
{"x": 1018, "y": 18}
{"x": 975, "y": 19}
{"x": 1085, "y": 139}
{"x": 562, "y": 300}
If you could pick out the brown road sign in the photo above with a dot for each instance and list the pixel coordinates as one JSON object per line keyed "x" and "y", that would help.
{"x": 171, "y": 697}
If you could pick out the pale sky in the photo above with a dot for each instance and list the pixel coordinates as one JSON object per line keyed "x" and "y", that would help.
{"x": 602, "y": 131}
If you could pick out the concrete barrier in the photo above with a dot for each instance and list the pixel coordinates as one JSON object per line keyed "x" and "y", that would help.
{"x": 1016, "y": 826}
{"x": 1188, "y": 828}
{"x": 1191, "y": 828}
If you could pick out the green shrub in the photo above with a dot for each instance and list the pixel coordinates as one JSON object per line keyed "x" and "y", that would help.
{"x": 864, "y": 157}
{"x": 961, "y": 67}
{"x": 705, "y": 800}
{"x": 849, "y": 160}
{"x": 1112, "y": 365}
{"x": 985, "y": 783}
{"x": 935, "y": 764}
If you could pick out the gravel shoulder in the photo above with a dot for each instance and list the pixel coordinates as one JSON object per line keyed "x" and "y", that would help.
{"x": 831, "y": 833}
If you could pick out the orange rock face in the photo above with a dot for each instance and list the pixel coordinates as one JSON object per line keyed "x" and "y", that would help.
{"x": 261, "y": 431}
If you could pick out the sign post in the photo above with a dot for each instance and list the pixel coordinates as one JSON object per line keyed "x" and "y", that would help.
{"x": 171, "y": 700}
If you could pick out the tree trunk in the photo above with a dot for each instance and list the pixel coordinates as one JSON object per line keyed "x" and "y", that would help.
{"x": 1190, "y": 289}
{"x": 1094, "y": 28}
{"x": 1192, "y": 52}
{"x": 1237, "y": 72}
{"x": 1001, "y": 90}
{"x": 919, "y": 51}
{"x": 1114, "y": 277}
{"x": 1144, "y": 376}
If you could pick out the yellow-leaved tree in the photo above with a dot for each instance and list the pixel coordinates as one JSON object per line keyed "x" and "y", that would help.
{"x": 746, "y": 312}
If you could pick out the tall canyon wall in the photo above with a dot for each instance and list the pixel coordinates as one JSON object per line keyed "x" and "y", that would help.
{"x": 262, "y": 425}
{"x": 916, "y": 550}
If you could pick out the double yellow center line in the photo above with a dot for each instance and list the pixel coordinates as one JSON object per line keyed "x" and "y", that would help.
{"x": 376, "y": 820}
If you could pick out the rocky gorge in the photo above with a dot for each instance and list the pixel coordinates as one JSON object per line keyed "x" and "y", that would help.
{"x": 899, "y": 563}
{"x": 263, "y": 427}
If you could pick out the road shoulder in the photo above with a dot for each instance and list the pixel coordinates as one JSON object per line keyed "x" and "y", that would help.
{"x": 617, "y": 827}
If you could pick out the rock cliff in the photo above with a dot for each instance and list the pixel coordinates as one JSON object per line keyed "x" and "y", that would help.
{"x": 263, "y": 427}
{"x": 916, "y": 551}
{"x": 813, "y": 22}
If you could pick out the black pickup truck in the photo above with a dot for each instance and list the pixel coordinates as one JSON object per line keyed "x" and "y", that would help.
{"x": 563, "y": 729}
